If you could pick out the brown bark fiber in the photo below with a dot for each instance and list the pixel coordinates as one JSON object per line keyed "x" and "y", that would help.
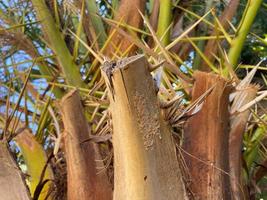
{"x": 238, "y": 125}
{"x": 145, "y": 159}
{"x": 206, "y": 140}
{"x": 81, "y": 167}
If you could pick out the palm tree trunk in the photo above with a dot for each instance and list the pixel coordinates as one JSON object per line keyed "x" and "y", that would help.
{"x": 206, "y": 139}
{"x": 81, "y": 167}
{"x": 145, "y": 159}
{"x": 12, "y": 184}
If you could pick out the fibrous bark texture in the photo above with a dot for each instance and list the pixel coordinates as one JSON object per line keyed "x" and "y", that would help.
{"x": 238, "y": 126}
{"x": 206, "y": 139}
{"x": 12, "y": 185}
{"x": 145, "y": 159}
{"x": 80, "y": 155}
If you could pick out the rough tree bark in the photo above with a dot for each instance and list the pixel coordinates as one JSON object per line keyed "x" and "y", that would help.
{"x": 206, "y": 140}
{"x": 145, "y": 159}
{"x": 80, "y": 156}
{"x": 12, "y": 184}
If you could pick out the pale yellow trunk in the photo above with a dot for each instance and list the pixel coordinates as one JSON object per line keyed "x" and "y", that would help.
{"x": 146, "y": 166}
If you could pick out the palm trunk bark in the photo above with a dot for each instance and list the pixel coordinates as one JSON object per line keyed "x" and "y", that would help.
{"x": 238, "y": 126}
{"x": 81, "y": 167}
{"x": 145, "y": 160}
{"x": 206, "y": 140}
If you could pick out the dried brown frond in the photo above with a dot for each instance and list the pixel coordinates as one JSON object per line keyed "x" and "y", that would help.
{"x": 225, "y": 19}
{"x": 17, "y": 39}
